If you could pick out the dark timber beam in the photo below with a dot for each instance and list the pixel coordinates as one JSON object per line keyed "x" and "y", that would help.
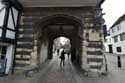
{"x": 15, "y": 3}
{"x": 100, "y": 3}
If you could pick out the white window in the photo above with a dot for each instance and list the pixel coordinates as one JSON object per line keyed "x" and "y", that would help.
{"x": 15, "y": 13}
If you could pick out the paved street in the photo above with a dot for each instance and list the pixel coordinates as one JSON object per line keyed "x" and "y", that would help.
{"x": 53, "y": 73}
{"x": 57, "y": 74}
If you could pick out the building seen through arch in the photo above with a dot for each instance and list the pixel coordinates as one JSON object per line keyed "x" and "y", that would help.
{"x": 30, "y": 27}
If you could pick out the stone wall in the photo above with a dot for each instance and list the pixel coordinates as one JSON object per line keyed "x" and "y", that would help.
{"x": 91, "y": 36}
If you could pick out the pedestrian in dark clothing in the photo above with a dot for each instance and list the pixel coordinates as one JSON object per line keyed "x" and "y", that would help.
{"x": 58, "y": 52}
{"x": 68, "y": 53}
{"x": 73, "y": 56}
{"x": 62, "y": 57}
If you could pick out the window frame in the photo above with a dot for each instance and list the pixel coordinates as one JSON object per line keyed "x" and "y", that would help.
{"x": 118, "y": 27}
{"x": 119, "y": 49}
{"x": 122, "y": 37}
{"x": 115, "y": 38}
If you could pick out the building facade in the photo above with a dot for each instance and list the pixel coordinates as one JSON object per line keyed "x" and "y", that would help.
{"x": 117, "y": 32}
{"x": 9, "y": 14}
{"x": 108, "y": 43}
{"x": 31, "y": 26}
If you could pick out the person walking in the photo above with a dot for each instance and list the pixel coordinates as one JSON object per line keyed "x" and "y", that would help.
{"x": 68, "y": 53}
{"x": 62, "y": 57}
{"x": 58, "y": 52}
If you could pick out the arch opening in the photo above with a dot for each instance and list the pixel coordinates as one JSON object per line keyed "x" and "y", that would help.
{"x": 60, "y": 44}
{"x": 55, "y": 27}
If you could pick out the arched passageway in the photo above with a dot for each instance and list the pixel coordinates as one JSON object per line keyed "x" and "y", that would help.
{"x": 56, "y": 26}
{"x": 61, "y": 45}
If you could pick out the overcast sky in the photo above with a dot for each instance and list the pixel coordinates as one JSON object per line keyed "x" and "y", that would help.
{"x": 113, "y": 9}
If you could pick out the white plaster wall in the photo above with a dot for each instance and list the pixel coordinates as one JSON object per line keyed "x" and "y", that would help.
{"x": 0, "y": 32}
{"x": 107, "y": 43}
{"x": 117, "y": 32}
{"x": 1, "y": 5}
{"x": 2, "y": 15}
{"x": 43, "y": 52}
{"x": 10, "y": 21}
{"x": 106, "y": 47}
{"x": 9, "y": 56}
{"x": 10, "y": 34}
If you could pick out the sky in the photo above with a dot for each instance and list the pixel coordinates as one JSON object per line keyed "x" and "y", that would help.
{"x": 113, "y": 9}
{"x": 63, "y": 40}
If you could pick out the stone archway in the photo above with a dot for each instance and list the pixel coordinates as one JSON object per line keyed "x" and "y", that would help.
{"x": 37, "y": 29}
{"x": 59, "y": 25}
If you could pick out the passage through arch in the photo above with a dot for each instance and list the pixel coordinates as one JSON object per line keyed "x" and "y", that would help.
{"x": 57, "y": 26}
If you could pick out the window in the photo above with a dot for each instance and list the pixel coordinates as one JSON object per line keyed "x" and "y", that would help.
{"x": 118, "y": 49}
{"x": 113, "y": 30}
{"x": 115, "y": 39}
{"x": 3, "y": 50}
{"x": 122, "y": 37}
{"x": 118, "y": 27}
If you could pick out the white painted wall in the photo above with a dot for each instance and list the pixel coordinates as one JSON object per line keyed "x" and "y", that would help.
{"x": 106, "y": 47}
{"x": 9, "y": 56}
{"x": 108, "y": 42}
{"x": 117, "y": 33}
{"x": 2, "y": 14}
{"x": 43, "y": 52}
{"x": 10, "y": 34}
{"x": 10, "y": 21}
{"x": 0, "y": 32}
{"x": 15, "y": 12}
{"x": 1, "y": 5}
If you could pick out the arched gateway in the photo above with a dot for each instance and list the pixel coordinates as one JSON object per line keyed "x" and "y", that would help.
{"x": 58, "y": 25}
{"x": 39, "y": 27}
{"x": 40, "y": 22}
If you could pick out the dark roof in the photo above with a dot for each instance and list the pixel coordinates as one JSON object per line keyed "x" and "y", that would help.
{"x": 118, "y": 21}
{"x": 102, "y": 1}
